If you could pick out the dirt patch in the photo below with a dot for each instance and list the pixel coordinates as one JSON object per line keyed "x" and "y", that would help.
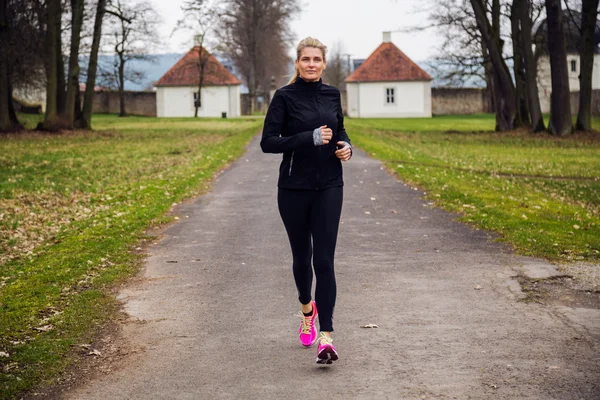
{"x": 559, "y": 291}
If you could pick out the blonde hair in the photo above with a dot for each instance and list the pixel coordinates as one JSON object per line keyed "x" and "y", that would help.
{"x": 304, "y": 43}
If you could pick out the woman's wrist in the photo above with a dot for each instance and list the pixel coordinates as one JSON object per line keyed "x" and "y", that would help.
{"x": 317, "y": 137}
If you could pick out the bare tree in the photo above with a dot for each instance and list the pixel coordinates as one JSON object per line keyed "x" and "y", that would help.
{"x": 53, "y": 23}
{"x": 519, "y": 66}
{"x": 337, "y": 67}
{"x": 506, "y": 102}
{"x": 77, "y": 9}
{"x": 86, "y": 117}
{"x": 132, "y": 32}
{"x": 255, "y": 35}
{"x": 460, "y": 57}
{"x": 199, "y": 19}
{"x": 589, "y": 13}
{"x": 560, "y": 104}
{"x": 524, "y": 10}
{"x": 8, "y": 118}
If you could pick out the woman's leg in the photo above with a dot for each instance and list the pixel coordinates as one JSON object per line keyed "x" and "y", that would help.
{"x": 294, "y": 208}
{"x": 324, "y": 223}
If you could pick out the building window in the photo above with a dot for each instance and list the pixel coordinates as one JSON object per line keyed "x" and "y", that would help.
{"x": 389, "y": 96}
{"x": 573, "y": 65}
{"x": 197, "y": 100}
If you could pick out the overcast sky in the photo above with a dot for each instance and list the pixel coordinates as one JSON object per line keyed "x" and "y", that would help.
{"x": 358, "y": 25}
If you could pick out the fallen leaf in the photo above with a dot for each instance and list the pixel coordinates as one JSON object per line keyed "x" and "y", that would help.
{"x": 370, "y": 326}
{"x": 478, "y": 287}
{"x": 44, "y": 328}
{"x": 94, "y": 352}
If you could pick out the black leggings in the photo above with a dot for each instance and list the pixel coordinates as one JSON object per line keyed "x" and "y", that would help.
{"x": 316, "y": 214}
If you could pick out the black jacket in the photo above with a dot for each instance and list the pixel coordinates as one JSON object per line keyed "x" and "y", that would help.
{"x": 295, "y": 112}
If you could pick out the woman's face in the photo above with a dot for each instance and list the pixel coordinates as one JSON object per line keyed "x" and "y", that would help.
{"x": 310, "y": 64}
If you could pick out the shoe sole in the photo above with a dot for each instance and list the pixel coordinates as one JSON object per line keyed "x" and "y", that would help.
{"x": 312, "y": 344}
{"x": 327, "y": 356}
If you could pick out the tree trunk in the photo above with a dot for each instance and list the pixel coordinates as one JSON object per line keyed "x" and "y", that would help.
{"x": 7, "y": 122}
{"x": 489, "y": 78}
{"x": 506, "y": 107}
{"x": 52, "y": 31}
{"x": 88, "y": 99}
{"x": 61, "y": 97}
{"x": 518, "y": 64}
{"x": 560, "y": 103}
{"x": 530, "y": 68}
{"x": 73, "y": 81}
{"x": 122, "y": 112}
{"x": 589, "y": 13}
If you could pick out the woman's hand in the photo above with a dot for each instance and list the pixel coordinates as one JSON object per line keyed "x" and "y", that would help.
{"x": 344, "y": 153}
{"x": 326, "y": 134}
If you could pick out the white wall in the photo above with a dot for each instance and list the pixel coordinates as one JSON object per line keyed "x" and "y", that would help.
{"x": 368, "y": 99}
{"x": 178, "y": 101}
{"x": 544, "y": 78}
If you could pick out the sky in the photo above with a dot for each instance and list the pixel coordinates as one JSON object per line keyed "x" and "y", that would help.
{"x": 356, "y": 24}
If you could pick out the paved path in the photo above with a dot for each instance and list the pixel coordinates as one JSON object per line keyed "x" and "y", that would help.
{"x": 219, "y": 323}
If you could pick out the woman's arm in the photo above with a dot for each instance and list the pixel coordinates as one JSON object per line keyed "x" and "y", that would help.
{"x": 272, "y": 141}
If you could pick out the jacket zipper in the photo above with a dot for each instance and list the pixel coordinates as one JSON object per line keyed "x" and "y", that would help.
{"x": 291, "y": 163}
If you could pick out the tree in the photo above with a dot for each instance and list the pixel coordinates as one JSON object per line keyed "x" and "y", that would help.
{"x": 524, "y": 9}
{"x": 132, "y": 32}
{"x": 255, "y": 35}
{"x": 86, "y": 117}
{"x": 8, "y": 118}
{"x": 589, "y": 13}
{"x": 506, "y": 101}
{"x": 460, "y": 58}
{"x": 519, "y": 66}
{"x": 77, "y": 8}
{"x": 560, "y": 103}
{"x": 53, "y": 23}
{"x": 199, "y": 19}
{"x": 337, "y": 67}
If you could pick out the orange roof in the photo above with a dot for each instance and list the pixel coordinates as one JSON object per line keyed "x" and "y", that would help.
{"x": 388, "y": 63}
{"x": 186, "y": 73}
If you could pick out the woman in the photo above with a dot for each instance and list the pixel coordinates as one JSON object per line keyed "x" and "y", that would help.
{"x": 306, "y": 124}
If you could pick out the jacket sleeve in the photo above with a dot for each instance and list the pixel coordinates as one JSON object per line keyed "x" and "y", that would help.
{"x": 342, "y": 135}
{"x": 272, "y": 141}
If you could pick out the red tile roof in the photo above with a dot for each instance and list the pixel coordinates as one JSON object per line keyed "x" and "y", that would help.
{"x": 186, "y": 73}
{"x": 388, "y": 63}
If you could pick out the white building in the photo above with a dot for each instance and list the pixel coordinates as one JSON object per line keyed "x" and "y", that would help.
{"x": 574, "y": 64}
{"x": 389, "y": 85}
{"x": 177, "y": 89}
{"x": 572, "y": 22}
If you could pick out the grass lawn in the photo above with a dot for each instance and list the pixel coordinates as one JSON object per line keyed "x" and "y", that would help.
{"x": 73, "y": 206}
{"x": 541, "y": 193}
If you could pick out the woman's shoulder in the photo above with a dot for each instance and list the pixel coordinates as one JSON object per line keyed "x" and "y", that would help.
{"x": 330, "y": 89}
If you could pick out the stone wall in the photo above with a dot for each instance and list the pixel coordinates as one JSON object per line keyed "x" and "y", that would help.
{"x": 136, "y": 103}
{"x": 459, "y": 101}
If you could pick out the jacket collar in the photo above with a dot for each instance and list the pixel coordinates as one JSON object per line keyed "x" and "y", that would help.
{"x": 301, "y": 83}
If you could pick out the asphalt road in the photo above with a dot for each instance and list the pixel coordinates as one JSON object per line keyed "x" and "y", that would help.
{"x": 213, "y": 313}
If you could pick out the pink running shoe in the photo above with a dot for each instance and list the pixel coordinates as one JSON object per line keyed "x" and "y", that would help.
{"x": 307, "y": 331}
{"x": 326, "y": 353}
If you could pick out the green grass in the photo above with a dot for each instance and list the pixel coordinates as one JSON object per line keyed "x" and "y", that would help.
{"x": 542, "y": 194}
{"x": 73, "y": 206}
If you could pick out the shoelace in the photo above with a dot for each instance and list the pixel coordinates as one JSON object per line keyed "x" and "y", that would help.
{"x": 306, "y": 323}
{"x": 323, "y": 339}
